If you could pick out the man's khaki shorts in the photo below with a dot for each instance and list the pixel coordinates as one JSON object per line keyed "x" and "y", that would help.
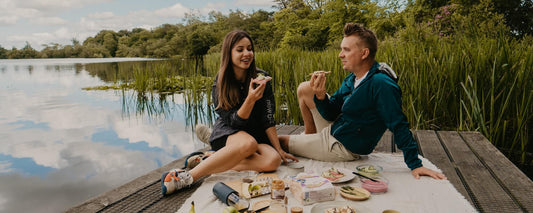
{"x": 321, "y": 145}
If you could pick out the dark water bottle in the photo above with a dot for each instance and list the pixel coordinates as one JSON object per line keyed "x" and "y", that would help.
{"x": 230, "y": 197}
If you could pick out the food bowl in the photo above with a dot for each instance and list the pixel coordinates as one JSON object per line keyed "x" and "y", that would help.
{"x": 369, "y": 170}
{"x": 379, "y": 186}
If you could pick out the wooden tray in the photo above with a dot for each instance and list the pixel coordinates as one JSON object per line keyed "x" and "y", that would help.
{"x": 237, "y": 185}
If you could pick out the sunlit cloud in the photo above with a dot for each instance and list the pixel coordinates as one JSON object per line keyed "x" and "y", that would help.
{"x": 176, "y": 11}
{"x": 259, "y": 3}
{"x": 47, "y": 14}
{"x": 8, "y": 20}
{"x": 212, "y": 7}
{"x": 48, "y": 21}
{"x": 55, "y": 5}
{"x": 41, "y": 38}
{"x": 101, "y": 15}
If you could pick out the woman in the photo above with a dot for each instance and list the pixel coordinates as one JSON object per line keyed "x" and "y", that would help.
{"x": 244, "y": 135}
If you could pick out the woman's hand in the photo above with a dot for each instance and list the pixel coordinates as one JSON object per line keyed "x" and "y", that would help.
{"x": 256, "y": 88}
{"x": 284, "y": 156}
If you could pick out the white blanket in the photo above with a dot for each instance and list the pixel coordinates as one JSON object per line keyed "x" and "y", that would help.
{"x": 405, "y": 193}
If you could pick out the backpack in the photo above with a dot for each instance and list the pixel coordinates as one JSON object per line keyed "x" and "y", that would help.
{"x": 385, "y": 69}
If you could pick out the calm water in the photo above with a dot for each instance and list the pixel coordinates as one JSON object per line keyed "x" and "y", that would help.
{"x": 61, "y": 145}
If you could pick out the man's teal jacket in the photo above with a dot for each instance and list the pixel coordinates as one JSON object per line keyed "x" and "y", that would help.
{"x": 361, "y": 116}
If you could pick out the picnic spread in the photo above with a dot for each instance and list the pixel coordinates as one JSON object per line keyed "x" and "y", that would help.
{"x": 382, "y": 182}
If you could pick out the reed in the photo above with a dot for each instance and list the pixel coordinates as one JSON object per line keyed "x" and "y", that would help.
{"x": 481, "y": 84}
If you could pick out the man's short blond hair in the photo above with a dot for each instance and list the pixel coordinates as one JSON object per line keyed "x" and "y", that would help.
{"x": 365, "y": 35}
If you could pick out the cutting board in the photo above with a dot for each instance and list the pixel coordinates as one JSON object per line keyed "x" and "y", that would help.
{"x": 237, "y": 184}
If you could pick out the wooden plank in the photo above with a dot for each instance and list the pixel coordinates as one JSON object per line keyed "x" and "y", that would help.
{"x": 287, "y": 129}
{"x": 507, "y": 174}
{"x": 488, "y": 194}
{"x": 299, "y": 130}
{"x": 431, "y": 148}
{"x": 385, "y": 143}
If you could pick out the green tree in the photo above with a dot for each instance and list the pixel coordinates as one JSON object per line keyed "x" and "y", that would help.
{"x": 518, "y": 15}
{"x": 110, "y": 43}
{"x": 3, "y": 53}
{"x": 28, "y": 52}
{"x": 94, "y": 50}
{"x": 199, "y": 40}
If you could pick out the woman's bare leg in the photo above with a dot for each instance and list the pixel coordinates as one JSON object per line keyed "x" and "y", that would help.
{"x": 266, "y": 159}
{"x": 240, "y": 153}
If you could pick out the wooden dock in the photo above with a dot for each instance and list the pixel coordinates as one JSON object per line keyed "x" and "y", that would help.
{"x": 477, "y": 169}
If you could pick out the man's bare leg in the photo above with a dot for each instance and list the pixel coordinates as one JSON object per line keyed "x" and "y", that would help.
{"x": 306, "y": 103}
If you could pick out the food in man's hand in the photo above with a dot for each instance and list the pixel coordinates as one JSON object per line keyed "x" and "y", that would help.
{"x": 332, "y": 174}
{"x": 354, "y": 193}
{"x": 318, "y": 72}
{"x": 344, "y": 209}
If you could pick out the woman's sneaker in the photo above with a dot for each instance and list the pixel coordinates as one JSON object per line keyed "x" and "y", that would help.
{"x": 175, "y": 180}
{"x": 196, "y": 158}
{"x": 203, "y": 133}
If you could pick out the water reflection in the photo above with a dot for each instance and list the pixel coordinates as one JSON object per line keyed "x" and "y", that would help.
{"x": 61, "y": 145}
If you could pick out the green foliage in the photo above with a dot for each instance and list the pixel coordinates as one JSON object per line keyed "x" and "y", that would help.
{"x": 3, "y": 53}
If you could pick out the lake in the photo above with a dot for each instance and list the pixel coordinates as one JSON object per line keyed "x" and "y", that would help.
{"x": 61, "y": 145}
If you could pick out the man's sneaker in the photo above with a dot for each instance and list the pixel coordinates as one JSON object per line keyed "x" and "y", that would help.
{"x": 203, "y": 133}
{"x": 175, "y": 180}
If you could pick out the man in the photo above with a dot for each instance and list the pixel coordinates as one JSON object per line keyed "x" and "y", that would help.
{"x": 354, "y": 118}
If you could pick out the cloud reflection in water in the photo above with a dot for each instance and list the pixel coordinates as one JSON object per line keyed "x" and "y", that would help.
{"x": 60, "y": 145}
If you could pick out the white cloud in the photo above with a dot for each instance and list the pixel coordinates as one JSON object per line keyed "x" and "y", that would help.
{"x": 55, "y": 5}
{"x": 47, "y": 16}
{"x": 212, "y": 7}
{"x": 38, "y": 39}
{"x": 48, "y": 21}
{"x": 5, "y": 167}
{"x": 177, "y": 10}
{"x": 258, "y": 3}
{"x": 8, "y": 20}
{"x": 102, "y": 15}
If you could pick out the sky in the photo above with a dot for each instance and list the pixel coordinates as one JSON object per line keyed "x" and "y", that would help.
{"x": 40, "y": 22}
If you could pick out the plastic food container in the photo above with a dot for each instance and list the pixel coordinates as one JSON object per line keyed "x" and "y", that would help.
{"x": 369, "y": 170}
{"x": 378, "y": 187}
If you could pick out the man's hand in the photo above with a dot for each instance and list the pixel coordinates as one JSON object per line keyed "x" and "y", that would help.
{"x": 318, "y": 84}
{"x": 420, "y": 171}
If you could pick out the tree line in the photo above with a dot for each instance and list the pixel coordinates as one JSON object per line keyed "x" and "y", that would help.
{"x": 302, "y": 24}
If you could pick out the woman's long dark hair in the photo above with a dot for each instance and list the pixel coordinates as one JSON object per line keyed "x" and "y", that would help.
{"x": 227, "y": 84}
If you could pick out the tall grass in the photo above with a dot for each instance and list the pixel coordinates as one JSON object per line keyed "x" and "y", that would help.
{"x": 475, "y": 84}
{"x": 482, "y": 84}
